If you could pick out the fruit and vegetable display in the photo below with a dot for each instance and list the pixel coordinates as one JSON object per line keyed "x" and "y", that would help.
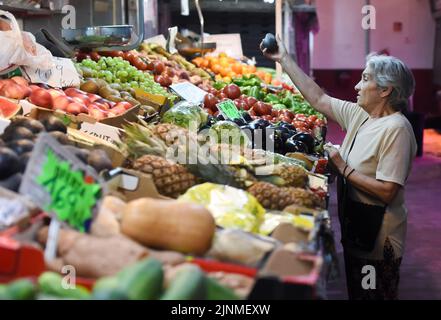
{"x": 195, "y": 197}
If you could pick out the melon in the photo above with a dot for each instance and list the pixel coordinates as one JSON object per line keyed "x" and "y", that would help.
{"x": 8, "y": 109}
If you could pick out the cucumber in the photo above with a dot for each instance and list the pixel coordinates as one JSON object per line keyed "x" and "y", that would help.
{"x": 108, "y": 289}
{"x": 188, "y": 284}
{"x": 216, "y": 291}
{"x": 50, "y": 283}
{"x": 22, "y": 289}
{"x": 143, "y": 280}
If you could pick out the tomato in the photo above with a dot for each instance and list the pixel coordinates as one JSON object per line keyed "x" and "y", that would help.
{"x": 232, "y": 91}
{"x": 288, "y": 114}
{"x": 297, "y": 123}
{"x": 139, "y": 64}
{"x": 251, "y": 101}
{"x": 300, "y": 117}
{"x": 210, "y": 101}
{"x": 275, "y": 113}
{"x": 284, "y": 119}
{"x": 158, "y": 67}
{"x": 81, "y": 56}
{"x": 95, "y": 56}
{"x": 319, "y": 123}
{"x": 262, "y": 108}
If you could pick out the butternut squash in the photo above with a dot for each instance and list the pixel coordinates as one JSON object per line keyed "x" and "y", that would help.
{"x": 169, "y": 225}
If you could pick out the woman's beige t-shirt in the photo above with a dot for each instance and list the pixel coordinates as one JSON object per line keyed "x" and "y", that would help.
{"x": 384, "y": 149}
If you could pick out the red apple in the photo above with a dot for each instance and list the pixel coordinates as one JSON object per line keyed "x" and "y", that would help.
{"x": 41, "y": 98}
{"x": 34, "y": 87}
{"x": 97, "y": 113}
{"x": 20, "y": 80}
{"x": 118, "y": 109}
{"x": 125, "y": 104}
{"x": 75, "y": 108}
{"x": 72, "y": 92}
{"x": 55, "y": 93}
{"x": 14, "y": 91}
{"x": 93, "y": 97}
{"x": 61, "y": 102}
{"x": 81, "y": 99}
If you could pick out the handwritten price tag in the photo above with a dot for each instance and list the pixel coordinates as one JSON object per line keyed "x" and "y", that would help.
{"x": 61, "y": 184}
{"x": 62, "y": 75}
{"x": 229, "y": 109}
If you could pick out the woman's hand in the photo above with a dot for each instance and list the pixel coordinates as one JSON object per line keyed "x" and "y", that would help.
{"x": 335, "y": 158}
{"x": 279, "y": 54}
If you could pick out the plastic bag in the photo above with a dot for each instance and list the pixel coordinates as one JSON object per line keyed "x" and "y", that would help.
{"x": 20, "y": 48}
{"x": 184, "y": 114}
{"x": 241, "y": 247}
{"x": 231, "y": 207}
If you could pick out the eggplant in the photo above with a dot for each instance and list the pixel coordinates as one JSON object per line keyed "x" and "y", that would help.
{"x": 307, "y": 139}
{"x": 240, "y": 122}
{"x": 270, "y": 43}
{"x": 287, "y": 125}
{"x": 259, "y": 124}
{"x": 246, "y": 116}
{"x": 292, "y": 145}
{"x": 220, "y": 117}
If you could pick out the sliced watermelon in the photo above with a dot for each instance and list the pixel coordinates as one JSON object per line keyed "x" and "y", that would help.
{"x": 8, "y": 109}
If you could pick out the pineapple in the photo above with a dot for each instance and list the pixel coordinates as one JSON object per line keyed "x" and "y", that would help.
{"x": 141, "y": 140}
{"x": 276, "y": 198}
{"x": 170, "y": 179}
{"x": 170, "y": 133}
{"x": 283, "y": 175}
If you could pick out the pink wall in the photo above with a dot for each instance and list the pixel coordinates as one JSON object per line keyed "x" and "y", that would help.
{"x": 340, "y": 42}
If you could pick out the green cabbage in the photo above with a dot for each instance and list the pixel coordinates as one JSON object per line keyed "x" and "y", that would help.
{"x": 184, "y": 113}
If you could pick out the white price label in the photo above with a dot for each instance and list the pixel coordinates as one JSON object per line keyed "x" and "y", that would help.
{"x": 189, "y": 92}
{"x": 101, "y": 131}
{"x": 62, "y": 75}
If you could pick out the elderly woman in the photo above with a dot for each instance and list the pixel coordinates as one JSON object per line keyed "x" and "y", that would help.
{"x": 373, "y": 164}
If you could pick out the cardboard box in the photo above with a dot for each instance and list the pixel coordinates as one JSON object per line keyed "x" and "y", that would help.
{"x": 287, "y": 233}
{"x": 133, "y": 184}
{"x": 86, "y": 141}
{"x": 130, "y": 115}
{"x": 289, "y": 264}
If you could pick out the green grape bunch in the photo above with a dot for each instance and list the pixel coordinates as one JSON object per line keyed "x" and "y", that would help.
{"x": 118, "y": 70}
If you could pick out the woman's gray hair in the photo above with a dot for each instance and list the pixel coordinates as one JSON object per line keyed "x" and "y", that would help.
{"x": 392, "y": 72}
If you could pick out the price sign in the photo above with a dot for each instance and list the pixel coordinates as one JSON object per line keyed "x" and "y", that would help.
{"x": 229, "y": 110}
{"x": 61, "y": 184}
{"x": 102, "y": 131}
{"x": 189, "y": 92}
{"x": 73, "y": 194}
{"x": 62, "y": 74}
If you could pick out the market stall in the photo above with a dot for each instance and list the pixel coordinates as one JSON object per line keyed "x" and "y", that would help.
{"x": 155, "y": 176}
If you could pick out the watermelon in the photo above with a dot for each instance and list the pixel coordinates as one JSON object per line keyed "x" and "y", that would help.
{"x": 8, "y": 109}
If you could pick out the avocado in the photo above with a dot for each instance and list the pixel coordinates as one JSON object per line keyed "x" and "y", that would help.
{"x": 60, "y": 136}
{"x": 52, "y": 123}
{"x": 8, "y": 162}
{"x": 99, "y": 160}
{"x": 21, "y": 146}
{"x": 13, "y": 182}
{"x": 33, "y": 125}
{"x": 82, "y": 154}
{"x": 17, "y": 133}
{"x": 24, "y": 159}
